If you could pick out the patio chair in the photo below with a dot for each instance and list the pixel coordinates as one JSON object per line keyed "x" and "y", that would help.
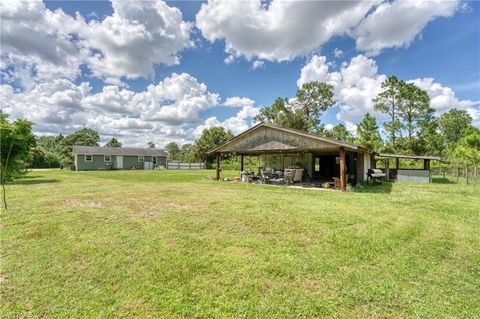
{"x": 288, "y": 176}
{"x": 297, "y": 177}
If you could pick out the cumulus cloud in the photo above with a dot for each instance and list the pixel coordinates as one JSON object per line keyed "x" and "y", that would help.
{"x": 357, "y": 82}
{"x": 279, "y": 30}
{"x": 168, "y": 110}
{"x": 40, "y": 45}
{"x": 337, "y": 53}
{"x": 396, "y": 24}
{"x": 282, "y": 30}
{"x": 237, "y": 124}
{"x": 236, "y": 101}
{"x": 136, "y": 36}
{"x": 35, "y": 42}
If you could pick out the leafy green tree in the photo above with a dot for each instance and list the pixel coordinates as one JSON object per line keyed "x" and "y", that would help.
{"x": 151, "y": 145}
{"x": 469, "y": 147}
{"x": 303, "y": 112}
{"x": 388, "y": 102}
{"x": 428, "y": 141}
{"x": 16, "y": 142}
{"x": 82, "y": 137}
{"x": 173, "y": 151}
{"x": 283, "y": 114}
{"x": 341, "y": 133}
{"x": 452, "y": 123}
{"x": 209, "y": 139}
{"x": 186, "y": 153}
{"x": 113, "y": 143}
{"x": 368, "y": 134}
{"x": 415, "y": 108}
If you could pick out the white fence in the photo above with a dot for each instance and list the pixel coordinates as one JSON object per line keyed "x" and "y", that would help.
{"x": 179, "y": 165}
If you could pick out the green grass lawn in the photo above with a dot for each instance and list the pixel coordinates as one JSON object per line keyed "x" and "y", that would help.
{"x": 177, "y": 244}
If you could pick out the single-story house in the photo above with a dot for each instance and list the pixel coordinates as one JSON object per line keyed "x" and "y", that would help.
{"x": 103, "y": 158}
{"x": 322, "y": 159}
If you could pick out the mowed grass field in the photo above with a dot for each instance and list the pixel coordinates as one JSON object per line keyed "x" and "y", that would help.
{"x": 160, "y": 244}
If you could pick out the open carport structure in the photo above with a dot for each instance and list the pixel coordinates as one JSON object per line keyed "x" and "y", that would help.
{"x": 278, "y": 149}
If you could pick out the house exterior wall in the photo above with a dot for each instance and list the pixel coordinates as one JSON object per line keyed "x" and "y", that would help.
{"x": 98, "y": 162}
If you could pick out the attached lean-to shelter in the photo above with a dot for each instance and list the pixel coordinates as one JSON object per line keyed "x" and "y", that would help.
{"x": 279, "y": 148}
{"x": 420, "y": 174}
{"x": 104, "y": 158}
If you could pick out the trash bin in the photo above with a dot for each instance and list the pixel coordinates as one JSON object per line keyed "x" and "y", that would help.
{"x": 61, "y": 166}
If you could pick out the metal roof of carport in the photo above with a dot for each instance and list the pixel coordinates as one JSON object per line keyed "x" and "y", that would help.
{"x": 419, "y": 157}
{"x": 303, "y": 134}
{"x": 97, "y": 150}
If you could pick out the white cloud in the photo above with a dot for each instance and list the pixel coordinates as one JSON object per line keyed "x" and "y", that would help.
{"x": 40, "y": 45}
{"x": 337, "y": 53}
{"x": 356, "y": 83}
{"x": 396, "y": 24}
{"x": 169, "y": 110}
{"x": 237, "y": 124}
{"x": 236, "y": 101}
{"x": 278, "y": 30}
{"x": 36, "y": 43}
{"x": 138, "y": 35}
{"x": 257, "y": 64}
{"x": 282, "y": 30}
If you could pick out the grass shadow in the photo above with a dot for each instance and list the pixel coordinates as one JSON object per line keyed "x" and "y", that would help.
{"x": 441, "y": 180}
{"x": 23, "y": 181}
{"x": 368, "y": 187}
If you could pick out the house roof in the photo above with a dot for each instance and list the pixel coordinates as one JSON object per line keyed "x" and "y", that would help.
{"x": 419, "y": 157}
{"x": 290, "y": 131}
{"x": 96, "y": 150}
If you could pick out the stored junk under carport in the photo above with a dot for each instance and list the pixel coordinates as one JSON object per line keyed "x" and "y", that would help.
{"x": 280, "y": 149}
{"x": 285, "y": 154}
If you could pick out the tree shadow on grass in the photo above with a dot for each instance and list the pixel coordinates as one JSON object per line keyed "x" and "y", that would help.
{"x": 441, "y": 180}
{"x": 26, "y": 181}
{"x": 368, "y": 187}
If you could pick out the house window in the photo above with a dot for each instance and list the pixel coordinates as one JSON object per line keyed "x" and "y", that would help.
{"x": 88, "y": 158}
{"x": 141, "y": 159}
{"x": 317, "y": 164}
{"x": 107, "y": 158}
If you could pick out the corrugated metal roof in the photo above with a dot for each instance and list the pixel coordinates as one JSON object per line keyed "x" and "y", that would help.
{"x": 293, "y": 131}
{"x": 96, "y": 150}
{"x": 425, "y": 157}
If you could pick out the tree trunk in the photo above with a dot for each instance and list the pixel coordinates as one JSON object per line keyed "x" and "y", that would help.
{"x": 466, "y": 173}
{"x": 457, "y": 172}
{"x": 3, "y": 177}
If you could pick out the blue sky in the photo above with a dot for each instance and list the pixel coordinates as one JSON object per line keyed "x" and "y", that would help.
{"x": 112, "y": 67}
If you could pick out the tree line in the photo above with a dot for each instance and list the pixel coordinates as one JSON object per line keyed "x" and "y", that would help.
{"x": 411, "y": 128}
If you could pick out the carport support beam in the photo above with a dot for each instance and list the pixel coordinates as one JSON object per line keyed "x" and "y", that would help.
{"x": 343, "y": 184}
{"x": 241, "y": 163}
{"x": 218, "y": 167}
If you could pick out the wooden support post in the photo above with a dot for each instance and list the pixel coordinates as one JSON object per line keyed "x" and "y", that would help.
{"x": 241, "y": 163}
{"x": 397, "y": 163}
{"x": 218, "y": 167}
{"x": 426, "y": 164}
{"x": 373, "y": 162}
{"x": 387, "y": 169}
{"x": 343, "y": 184}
